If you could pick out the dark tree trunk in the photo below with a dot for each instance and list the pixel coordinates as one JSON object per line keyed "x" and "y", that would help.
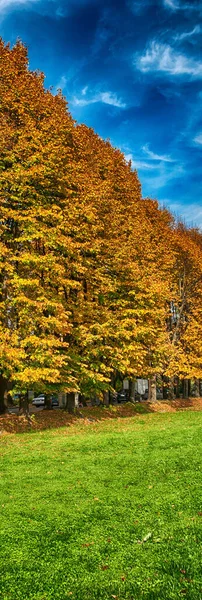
{"x": 132, "y": 390}
{"x": 185, "y": 388}
{"x": 70, "y": 402}
{"x": 177, "y": 387}
{"x": 106, "y": 398}
{"x": 3, "y": 387}
{"x": 197, "y": 388}
{"x": 171, "y": 388}
{"x": 152, "y": 389}
{"x": 48, "y": 403}
{"x": 82, "y": 400}
{"x": 24, "y": 405}
{"x": 165, "y": 387}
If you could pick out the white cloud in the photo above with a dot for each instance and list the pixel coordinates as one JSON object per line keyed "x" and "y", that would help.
{"x": 84, "y": 90}
{"x": 198, "y": 138}
{"x": 109, "y": 98}
{"x": 7, "y": 4}
{"x": 164, "y": 175}
{"x": 156, "y": 172}
{"x": 187, "y": 34}
{"x": 61, "y": 85}
{"x": 163, "y": 58}
{"x": 139, "y": 164}
{"x": 153, "y": 156}
{"x": 104, "y": 97}
{"x": 171, "y": 4}
{"x": 176, "y": 5}
{"x": 192, "y": 213}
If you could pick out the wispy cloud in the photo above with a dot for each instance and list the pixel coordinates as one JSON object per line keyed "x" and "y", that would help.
{"x": 139, "y": 164}
{"x": 163, "y": 58}
{"x": 198, "y": 139}
{"x": 187, "y": 34}
{"x": 171, "y": 4}
{"x": 164, "y": 175}
{"x": 156, "y": 172}
{"x": 61, "y": 84}
{"x": 84, "y": 90}
{"x": 138, "y": 6}
{"x": 177, "y": 5}
{"x": 191, "y": 213}
{"x": 104, "y": 97}
{"x": 7, "y": 4}
{"x": 154, "y": 156}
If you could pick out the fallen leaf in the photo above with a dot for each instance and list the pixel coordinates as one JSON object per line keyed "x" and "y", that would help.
{"x": 147, "y": 537}
{"x": 85, "y": 545}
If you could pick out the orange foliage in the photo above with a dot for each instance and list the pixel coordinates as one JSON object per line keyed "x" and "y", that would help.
{"x": 93, "y": 279}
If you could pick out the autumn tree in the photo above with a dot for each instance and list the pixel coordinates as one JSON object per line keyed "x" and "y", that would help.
{"x": 36, "y": 140}
{"x": 184, "y": 323}
{"x": 94, "y": 280}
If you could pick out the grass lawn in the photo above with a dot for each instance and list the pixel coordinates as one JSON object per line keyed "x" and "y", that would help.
{"x": 103, "y": 510}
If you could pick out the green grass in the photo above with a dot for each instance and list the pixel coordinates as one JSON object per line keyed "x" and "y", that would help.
{"x": 76, "y": 504}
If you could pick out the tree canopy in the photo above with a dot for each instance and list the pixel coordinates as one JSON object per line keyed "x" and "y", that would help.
{"x": 94, "y": 279}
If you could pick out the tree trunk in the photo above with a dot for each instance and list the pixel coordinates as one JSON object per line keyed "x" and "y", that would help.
{"x": 165, "y": 387}
{"x": 132, "y": 390}
{"x": 24, "y": 405}
{"x": 48, "y": 403}
{"x": 82, "y": 400}
{"x": 152, "y": 389}
{"x": 70, "y": 402}
{"x": 177, "y": 387}
{"x": 185, "y": 388}
{"x": 197, "y": 388}
{"x": 171, "y": 388}
{"x": 3, "y": 387}
{"x": 106, "y": 398}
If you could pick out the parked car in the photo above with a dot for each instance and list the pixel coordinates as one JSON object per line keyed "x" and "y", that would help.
{"x": 54, "y": 401}
{"x": 122, "y": 396}
{"x": 40, "y": 400}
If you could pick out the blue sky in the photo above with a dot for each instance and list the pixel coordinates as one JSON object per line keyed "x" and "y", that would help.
{"x": 132, "y": 70}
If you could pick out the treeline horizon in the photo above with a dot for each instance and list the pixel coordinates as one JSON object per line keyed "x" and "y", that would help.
{"x": 96, "y": 283}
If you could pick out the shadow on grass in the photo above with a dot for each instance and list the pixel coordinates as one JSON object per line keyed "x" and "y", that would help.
{"x": 53, "y": 419}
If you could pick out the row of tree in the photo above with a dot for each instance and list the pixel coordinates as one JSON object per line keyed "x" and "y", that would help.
{"x": 95, "y": 282}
